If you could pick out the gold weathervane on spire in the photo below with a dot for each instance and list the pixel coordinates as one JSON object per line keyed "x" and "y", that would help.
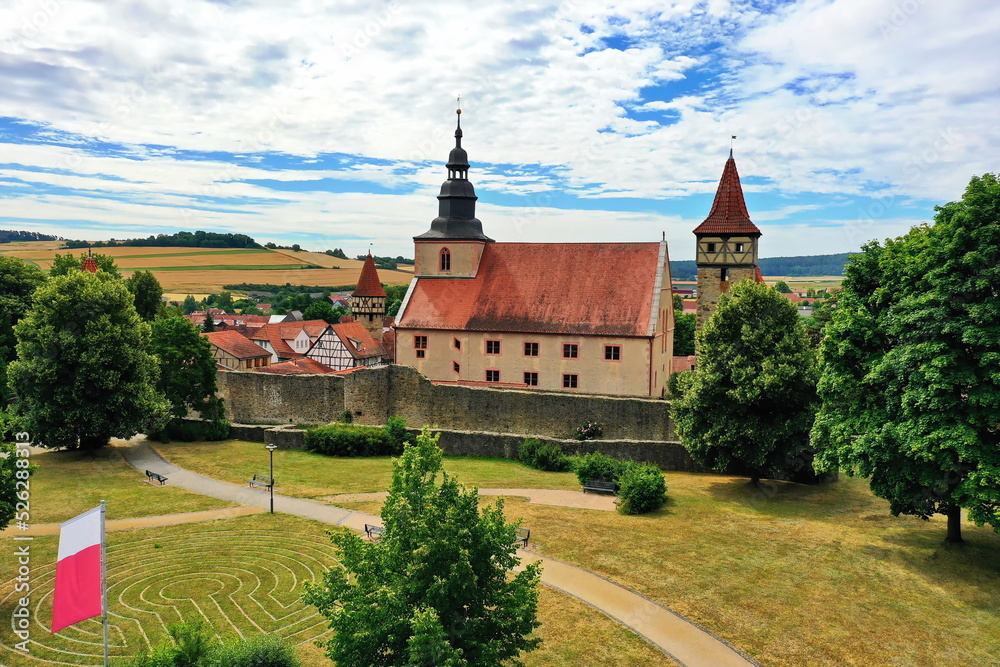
{"x": 459, "y": 109}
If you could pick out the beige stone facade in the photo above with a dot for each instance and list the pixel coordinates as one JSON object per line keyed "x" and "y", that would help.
{"x": 711, "y": 286}
{"x": 462, "y": 259}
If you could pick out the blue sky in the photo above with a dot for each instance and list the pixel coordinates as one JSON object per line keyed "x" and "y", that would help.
{"x": 327, "y": 124}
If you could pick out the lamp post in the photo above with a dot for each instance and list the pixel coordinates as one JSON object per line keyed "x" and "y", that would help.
{"x": 270, "y": 448}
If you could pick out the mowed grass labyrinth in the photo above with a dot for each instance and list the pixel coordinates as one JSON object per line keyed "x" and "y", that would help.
{"x": 242, "y": 575}
{"x": 796, "y": 575}
{"x": 206, "y": 270}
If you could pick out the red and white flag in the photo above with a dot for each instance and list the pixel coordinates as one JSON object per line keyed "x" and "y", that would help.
{"x": 79, "y": 571}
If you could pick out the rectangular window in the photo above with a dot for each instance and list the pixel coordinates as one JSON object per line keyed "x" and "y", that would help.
{"x": 569, "y": 381}
{"x": 612, "y": 352}
{"x": 455, "y": 367}
{"x": 723, "y": 274}
{"x": 420, "y": 342}
{"x": 739, "y": 247}
{"x": 492, "y": 347}
{"x": 531, "y": 349}
{"x": 531, "y": 379}
{"x": 458, "y": 344}
{"x": 709, "y": 247}
{"x": 421, "y": 354}
{"x": 249, "y": 363}
{"x": 492, "y": 376}
{"x": 571, "y": 350}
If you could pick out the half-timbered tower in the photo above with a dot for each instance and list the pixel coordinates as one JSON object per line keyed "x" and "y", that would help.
{"x": 726, "y": 243}
{"x": 368, "y": 299}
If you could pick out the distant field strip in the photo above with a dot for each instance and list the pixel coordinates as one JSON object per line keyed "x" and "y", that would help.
{"x": 242, "y": 582}
{"x": 224, "y": 267}
{"x": 186, "y": 252}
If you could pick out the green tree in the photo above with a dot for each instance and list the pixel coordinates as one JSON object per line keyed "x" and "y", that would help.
{"x": 436, "y": 589}
{"x": 320, "y": 310}
{"x": 208, "y": 324}
{"x": 684, "y": 334}
{"x": 911, "y": 366}
{"x": 84, "y": 373}
{"x": 749, "y": 405}
{"x": 67, "y": 263}
{"x": 190, "y": 305}
{"x": 18, "y": 282}
{"x": 678, "y": 304}
{"x": 782, "y": 287}
{"x": 340, "y": 254}
{"x": 187, "y": 368}
{"x": 13, "y": 468}
{"x": 148, "y": 294}
{"x": 224, "y": 302}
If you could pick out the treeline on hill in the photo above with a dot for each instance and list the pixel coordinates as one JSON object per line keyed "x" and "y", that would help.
{"x": 12, "y": 235}
{"x": 197, "y": 239}
{"x": 387, "y": 263}
{"x": 800, "y": 266}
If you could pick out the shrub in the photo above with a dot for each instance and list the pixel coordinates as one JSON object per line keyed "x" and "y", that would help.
{"x": 189, "y": 430}
{"x": 346, "y": 417}
{"x": 191, "y": 644}
{"x": 256, "y": 651}
{"x": 543, "y": 456}
{"x": 350, "y": 440}
{"x": 641, "y": 488}
{"x": 595, "y": 465}
{"x": 589, "y": 431}
{"x": 395, "y": 428}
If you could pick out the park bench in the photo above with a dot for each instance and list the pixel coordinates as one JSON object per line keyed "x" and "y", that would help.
{"x": 599, "y": 486}
{"x": 156, "y": 476}
{"x": 373, "y": 532}
{"x": 262, "y": 480}
{"x": 522, "y": 536}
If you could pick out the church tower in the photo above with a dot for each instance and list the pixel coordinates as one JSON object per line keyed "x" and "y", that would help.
{"x": 368, "y": 299}
{"x": 726, "y": 244}
{"x": 454, "y": 244}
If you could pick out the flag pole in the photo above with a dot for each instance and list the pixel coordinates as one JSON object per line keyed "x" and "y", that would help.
{"x": 104, "y": 581}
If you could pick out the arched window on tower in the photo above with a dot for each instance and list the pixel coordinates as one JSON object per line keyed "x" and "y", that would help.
{"x": 445, "y": 259}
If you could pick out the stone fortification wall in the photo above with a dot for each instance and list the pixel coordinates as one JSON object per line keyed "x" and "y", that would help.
{"x": 373, "y": 395}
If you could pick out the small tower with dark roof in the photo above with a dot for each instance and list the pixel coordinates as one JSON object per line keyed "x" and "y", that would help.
{"x": 454, "y": 244}
{"x": 368, "y": 299}
{"x": 726, "y": 243}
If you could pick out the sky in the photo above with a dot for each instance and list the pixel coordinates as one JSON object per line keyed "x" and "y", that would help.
{"x": 327, "y": 123}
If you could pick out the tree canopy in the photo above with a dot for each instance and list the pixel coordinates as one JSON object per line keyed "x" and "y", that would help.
{"x": 749, "y": 405}
{"x": 63, "y": 264}
{"x": 436, "y": 589}
{"x": 782, "y": 287}
{"x": 18, "y": 282}
{"x": 148, "y": 294}
{"x": 84, "y": 373}
{"x": 911, "y": 366}
{"x": 187, "y": 368}
{"x": 684, "y": 326}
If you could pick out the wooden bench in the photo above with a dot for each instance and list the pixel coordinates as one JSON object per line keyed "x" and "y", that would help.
{"x": 156, "y": 476}
{"x": 599, "y": 486}
{"x": 522, "y": 536}
{"x": 262, "y": 480}
{"x": 374, "y": 532}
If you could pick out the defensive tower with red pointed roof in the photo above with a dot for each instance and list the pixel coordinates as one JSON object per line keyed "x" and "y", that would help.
{"x": 726, "y": 243}
{"x": 368, "y": 299}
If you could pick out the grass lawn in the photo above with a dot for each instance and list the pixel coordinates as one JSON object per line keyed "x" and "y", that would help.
{"x": 245, "y": 575}
{"x": 796, "y": 576}
{"x": 309, "y": 475}
{"x": 68, "y": 483}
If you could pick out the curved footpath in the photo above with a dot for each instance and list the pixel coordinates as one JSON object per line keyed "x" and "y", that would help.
{"x": 681, "y": 639}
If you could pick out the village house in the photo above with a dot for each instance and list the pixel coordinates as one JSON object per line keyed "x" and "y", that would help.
{"x": 234, "y": 351}
{"x": 347, "y": 345}
{"x": 289, "y": 340}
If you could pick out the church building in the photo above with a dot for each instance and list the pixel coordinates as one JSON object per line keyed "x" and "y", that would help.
{"x": 593, "y": 318}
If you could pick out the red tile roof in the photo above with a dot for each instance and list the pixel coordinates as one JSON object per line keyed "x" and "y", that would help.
{"x": 296, "y": 367}
{"x": 544, "y": 288}
{"x": 366, "y": 346}
{"x": 756, "y": 275}
{"x": 236, "y": 344}
{"x": 368, "y": 283}
{"x": 729, "y": 213}
{"x": 89, "y": 264}
{"x": 389, "y": 345}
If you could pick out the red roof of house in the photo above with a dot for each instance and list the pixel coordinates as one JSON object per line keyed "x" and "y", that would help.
{"x": 757, "y": 278}
{"x": 296, "y": 367}
{"x": 358, "y": 341}
{"x": 729, "y": 213}
{"x": 544, "y": 288}
{"x": 389, "y": 345}
{"x": 684, "y": 363}
{"x": 236, "y": 344}
{"x": 690, "y": 306}
{"x": 368, "y": 283}
{"x": 289, "y": 330}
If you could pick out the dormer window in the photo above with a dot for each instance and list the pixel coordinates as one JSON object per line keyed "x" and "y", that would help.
{"x": 445, "y": 259}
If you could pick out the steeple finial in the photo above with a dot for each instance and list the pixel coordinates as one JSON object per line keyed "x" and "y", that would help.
{"x": 731, "y": 146}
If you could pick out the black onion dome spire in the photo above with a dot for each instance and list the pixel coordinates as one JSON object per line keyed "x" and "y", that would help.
{"x": 457, "y": 201}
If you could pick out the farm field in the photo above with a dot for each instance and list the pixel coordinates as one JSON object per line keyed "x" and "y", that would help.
{"x": 795, "y": 575}
{"x": 807, "y": 282}
{"x": 205, "y": 270}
